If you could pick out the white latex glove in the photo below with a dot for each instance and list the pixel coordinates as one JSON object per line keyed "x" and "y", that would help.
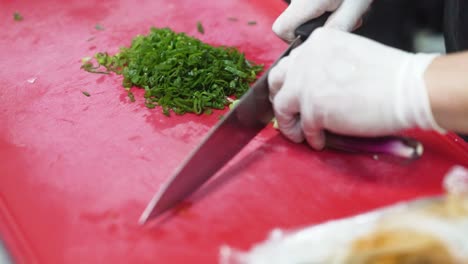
{"x": 347, "y": 84}
{"x": 346, "y": 15}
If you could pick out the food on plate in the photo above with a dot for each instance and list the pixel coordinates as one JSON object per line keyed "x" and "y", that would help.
{"x": 425, "y": 231}
{"x": 179, "y": 72}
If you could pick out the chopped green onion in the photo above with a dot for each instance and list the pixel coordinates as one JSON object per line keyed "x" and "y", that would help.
{"x": 89, "y": 67}
{"x": 179, "y": 72}
{"x": 98, "y": 27}
{"x": 17, "y": 16}
{"x": 200, "y": 27}
{"x": 131, "y": 96}
{"x": 86, "y": 59}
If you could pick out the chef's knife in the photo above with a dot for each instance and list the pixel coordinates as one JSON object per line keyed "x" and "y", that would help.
{"x": 253, "y": 113}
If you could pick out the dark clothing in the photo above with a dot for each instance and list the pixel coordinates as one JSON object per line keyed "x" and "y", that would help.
{"x": 456, "y": 28}
{"x": 456, "y": 25}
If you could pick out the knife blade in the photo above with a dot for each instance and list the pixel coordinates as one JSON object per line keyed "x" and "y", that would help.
{"x": 242, "y": 124}
{"x": 250, "y": 116}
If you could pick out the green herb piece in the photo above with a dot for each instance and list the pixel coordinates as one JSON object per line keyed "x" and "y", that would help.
{"x": 221, "y": 117}
{"x": 252, "y": 23}
{"x": 89, "y": 67}
{"x": 234, "y": 19}
{"x": 150, "y": 105}
{"x": 275, "y": 123}
{"x": 86, "y": 93}
{"x": 86, "y": 59}
{"x": 98, "y": 27}
{"x": 233, "y": 104}
{"x": 131, "y": 96}
{"x": 200, "y": 27}
{"x": 17, "y": 16}
{"x": 179, "y": 72}
{"x": 166, "y": 111}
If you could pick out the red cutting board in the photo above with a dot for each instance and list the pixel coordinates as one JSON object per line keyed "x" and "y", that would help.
{"x": 76, "y": 172}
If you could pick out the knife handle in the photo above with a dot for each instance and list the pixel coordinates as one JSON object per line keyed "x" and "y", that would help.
{"x": 396, "y": 146}
{"x": 304, "y": 30}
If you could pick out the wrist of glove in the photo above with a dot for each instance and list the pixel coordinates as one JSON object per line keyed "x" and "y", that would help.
{"x": 347, "y": 84}
{"x": 346, "y": 15}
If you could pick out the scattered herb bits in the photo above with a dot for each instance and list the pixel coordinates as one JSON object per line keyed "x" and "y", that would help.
{"x": 89, "y": 67}
{"x": 179, "y": 72}
{"x": 98, "y": 27}
{"x": 200, "y": 28}
{"x": 252, "y": 23}
{"x": 233, "y": 19}
{"x": 17, "y": 16}
{"x": 86, "y": 94}
{"x": 131, "y": 96}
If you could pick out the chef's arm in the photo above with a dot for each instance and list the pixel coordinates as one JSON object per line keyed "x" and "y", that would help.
{"x": 447, "y": 83}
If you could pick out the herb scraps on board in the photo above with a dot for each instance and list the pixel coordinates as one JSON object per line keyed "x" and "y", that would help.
{"x": 179, "y": 72}
{"x": 200, "y": 28}
{"x": 86, "y": 93}
{"x": 88, "y": 66}
{"x": 17, "y": 16}
{"x": 252, "y": 23}
{"x": 131, "y": 96}
{"x": 99, "y": 27}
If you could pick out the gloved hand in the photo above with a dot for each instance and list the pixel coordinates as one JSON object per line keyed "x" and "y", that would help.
{"x": 347, "y": 84}
{"x": 347, "y": 14}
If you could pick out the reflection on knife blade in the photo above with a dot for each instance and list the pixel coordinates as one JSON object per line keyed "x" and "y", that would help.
{"x": 253, "y": 113}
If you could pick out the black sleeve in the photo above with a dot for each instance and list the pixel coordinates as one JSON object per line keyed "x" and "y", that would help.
{"x": 456, "y": 25}
{"x": 456, "y": 28}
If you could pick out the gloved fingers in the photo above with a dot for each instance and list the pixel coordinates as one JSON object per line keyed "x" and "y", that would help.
{"x": 315, "y": 138}
{"x": 299, "y": 12}
{"x": 276, "y": 76}
{"x": 286, "y": 106}
{"x": 347, "y": 16}
{"x": 312, "y": 128}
